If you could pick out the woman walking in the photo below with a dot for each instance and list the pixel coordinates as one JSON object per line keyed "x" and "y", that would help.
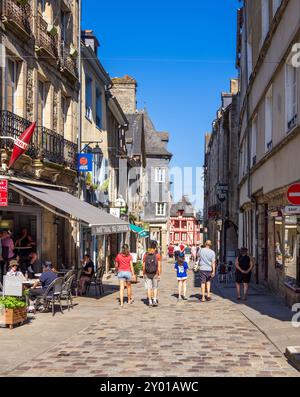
{"x": 124, "y": 267}
{"x": 244, "y": 265}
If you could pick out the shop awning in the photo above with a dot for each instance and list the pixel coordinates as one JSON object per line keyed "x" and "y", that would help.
{"x": 99, "y": 221}
{"x": 141, "y": 232}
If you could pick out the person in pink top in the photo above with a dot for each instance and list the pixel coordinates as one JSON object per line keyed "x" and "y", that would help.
{"x": 7, "y": 249}
{"x": 124, "y": 267}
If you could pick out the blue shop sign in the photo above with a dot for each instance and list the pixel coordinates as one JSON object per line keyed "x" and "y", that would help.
{"x": 85, "y": 162}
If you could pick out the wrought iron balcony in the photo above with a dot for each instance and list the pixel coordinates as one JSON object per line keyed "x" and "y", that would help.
{"x": 45, "y": 144}
{"x": 68, "y": 64}
{"x": 17, "y": 17}
{"x": 11, "y": 125}
{"x": 46, "y": 44}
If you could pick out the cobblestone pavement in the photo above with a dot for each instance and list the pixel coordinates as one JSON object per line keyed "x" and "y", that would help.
{"x": 175, "y": 339}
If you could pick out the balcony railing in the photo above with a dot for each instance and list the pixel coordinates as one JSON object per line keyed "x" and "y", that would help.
{"x": 45, "y": 143}
{"x": 15, "y": 14}
{"x": 13, "y": 126}
{"x": 68, "y": 65}
{"x": 45, "y": 42}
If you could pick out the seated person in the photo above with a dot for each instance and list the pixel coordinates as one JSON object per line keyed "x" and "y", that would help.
{"x": 32, "y": 262}
{"x": 14, "y": 270}
{"x": 41, "y": 285}
{"x": 86, "y": 274}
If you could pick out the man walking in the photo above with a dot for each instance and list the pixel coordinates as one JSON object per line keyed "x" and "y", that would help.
{"x": 207, "y": 262}
{"x": 152, "y": 272}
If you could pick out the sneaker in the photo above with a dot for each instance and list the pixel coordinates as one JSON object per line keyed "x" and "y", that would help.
{"x": 184, "y": 298}
{"x": 150, "y": 304}
{"x": 155, "y": 303}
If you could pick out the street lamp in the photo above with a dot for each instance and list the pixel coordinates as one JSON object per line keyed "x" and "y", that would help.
{"x": 98, "y": 156}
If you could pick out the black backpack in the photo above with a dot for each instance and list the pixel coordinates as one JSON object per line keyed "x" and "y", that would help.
{"x": 151, "y": 264}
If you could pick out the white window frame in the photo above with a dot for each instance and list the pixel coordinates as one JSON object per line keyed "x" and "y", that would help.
{"x": 269, "y": 120}
{"x": 160, "y": 175}
{"x": 291, "y": 99}
{"x": 160, "y": 209}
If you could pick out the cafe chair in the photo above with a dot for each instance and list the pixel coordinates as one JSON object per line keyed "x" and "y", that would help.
{"x": 51, "y": 296}
{"x": 67, "y": 291}
{"x": 69, "y": 275}
{"x": 76, "y": 280}
{"x": 96, "y": 281}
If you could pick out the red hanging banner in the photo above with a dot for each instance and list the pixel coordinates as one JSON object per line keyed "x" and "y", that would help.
{"x": 21, "y": 144}
{"x": 3, "y": 193}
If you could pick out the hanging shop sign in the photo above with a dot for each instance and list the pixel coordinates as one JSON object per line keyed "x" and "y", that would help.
{"x": 85, "y": 162}
{"x": 292, "y": 210}
{"x": 115, "y": 212}
{"x": 222, "y": 191}
{"x": 3, "y": 193}
{"x": 21, "y": 144}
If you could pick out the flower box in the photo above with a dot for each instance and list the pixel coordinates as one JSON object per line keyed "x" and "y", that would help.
{"x": 12, "y": 317}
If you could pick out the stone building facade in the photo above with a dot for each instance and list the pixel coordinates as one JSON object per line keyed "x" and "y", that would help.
{"x": 185, "y": 225}
{"x": 269, "y": 140}
{"x": 103, "y": 129}
{"x": 149, "y": 189}
{"x": 39, "y": 82}
{"x": 221, "y": 178}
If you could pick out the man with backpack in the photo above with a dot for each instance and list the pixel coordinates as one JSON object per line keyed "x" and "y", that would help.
{"x": 152, "y": 272}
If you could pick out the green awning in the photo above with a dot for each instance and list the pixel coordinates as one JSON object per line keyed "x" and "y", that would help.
{"x": 140, "y": 231}
{"x": 136, "y": 229}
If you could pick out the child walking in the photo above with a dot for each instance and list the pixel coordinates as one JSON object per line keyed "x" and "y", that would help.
{"x": 181, "y": 268}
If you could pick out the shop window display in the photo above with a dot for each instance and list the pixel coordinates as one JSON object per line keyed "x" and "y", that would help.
{"x": 287, "y": 246}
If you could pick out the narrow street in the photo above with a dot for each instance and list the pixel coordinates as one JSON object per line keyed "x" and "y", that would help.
{"x": 176, "y": 339}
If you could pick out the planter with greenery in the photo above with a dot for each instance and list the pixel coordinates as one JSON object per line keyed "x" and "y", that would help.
{"x": 138, "y": 268}
{"x": 12, "y": 311}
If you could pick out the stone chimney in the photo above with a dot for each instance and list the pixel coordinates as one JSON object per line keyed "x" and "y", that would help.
{"x": 124, "y": 89}
{"x": 90, "y": 40}
{"x": 234, "y": 86}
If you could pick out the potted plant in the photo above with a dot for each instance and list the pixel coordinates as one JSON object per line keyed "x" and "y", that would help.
{"x": 73, "y": 52}
{"x": 138, "y": 268}
{"x": 104, "y": 186}
{"x": 22, "y": 2}
{"x": 12, "y": 311}
{"x": 88, "y": 181}
{"x": 52, "y": 30}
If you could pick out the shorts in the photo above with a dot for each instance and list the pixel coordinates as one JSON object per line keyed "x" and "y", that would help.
{"x": 205, "y": 276}
{"x": 124, "y": 276}
{"x": 151, "y": 282}
{"x": 181, "y": 278}
{"x": 242, "y": 278}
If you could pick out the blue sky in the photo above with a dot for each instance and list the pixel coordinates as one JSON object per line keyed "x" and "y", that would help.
{"x": 182, "y": 54}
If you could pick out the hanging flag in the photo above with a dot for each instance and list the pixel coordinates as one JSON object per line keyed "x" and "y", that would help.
{"x": 21, "y": 144}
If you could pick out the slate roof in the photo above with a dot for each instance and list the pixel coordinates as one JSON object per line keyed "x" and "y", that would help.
{"x": 185, "y": 205}
{"x": 135, "y": 132}
{"x": 156, "y": 142}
